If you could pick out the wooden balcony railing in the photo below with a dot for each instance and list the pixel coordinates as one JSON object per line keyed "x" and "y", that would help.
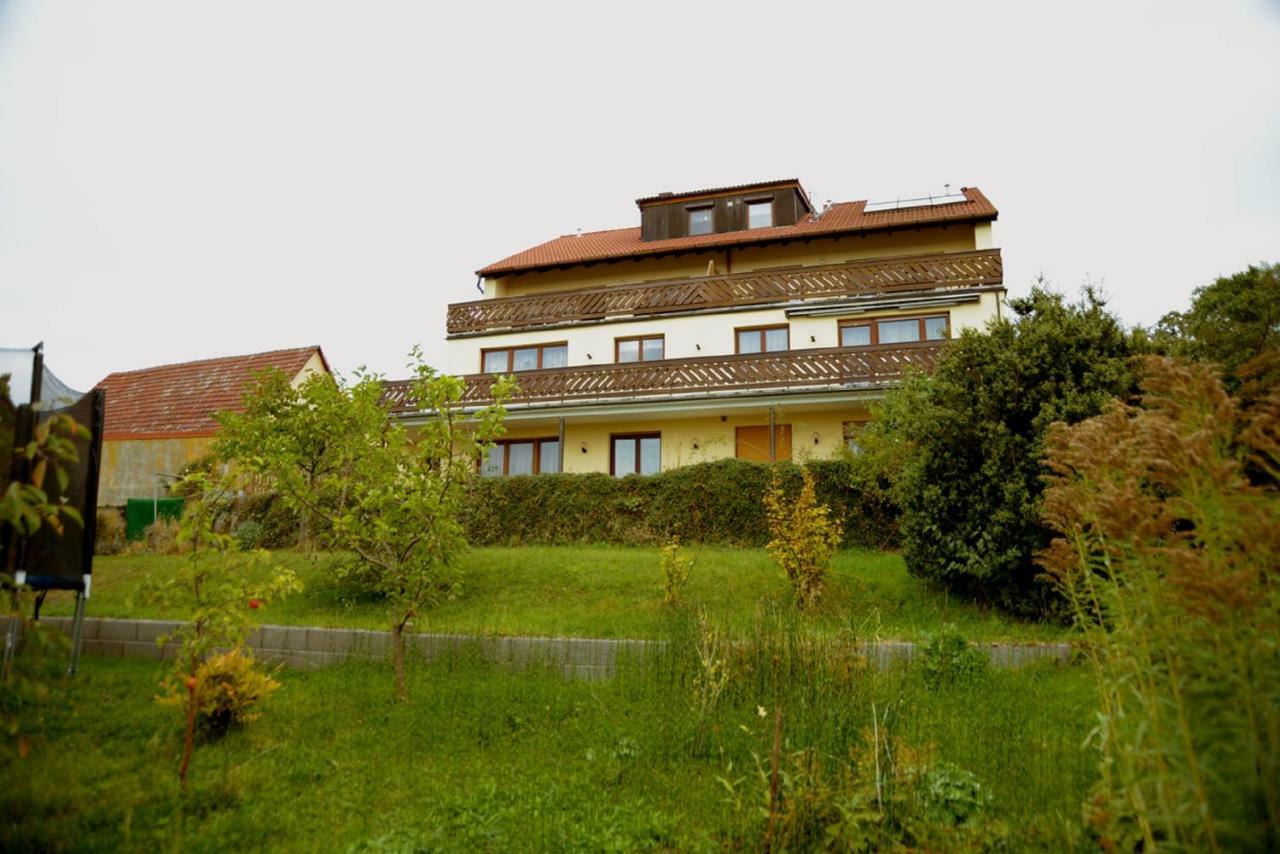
{"x": 798, "y": 370}
{"x": 885, "y": 275}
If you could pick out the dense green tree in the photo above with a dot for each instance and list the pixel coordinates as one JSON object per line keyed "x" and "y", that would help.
{"x": 962, "y": 449}
{"x": 386, "y": 495}
{"x": 1230, "y": 322}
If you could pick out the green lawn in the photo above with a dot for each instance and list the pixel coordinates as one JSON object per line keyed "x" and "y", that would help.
{"x": 484, "y": 759}
{"x": 601, "y": 591}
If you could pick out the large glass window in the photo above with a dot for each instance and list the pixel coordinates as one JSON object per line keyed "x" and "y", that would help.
{"x": 894, "y": 330}
{"x": 531, "y": 358}
{"x": 521, "y": 456}
{"x": 524, "y": 359}
{"x": 899, "y": 331}
{"x": 759, "y": 214}
{"x": 494, "y": 462}
{"x": 636, "y": 454}
{"x": 855, "y": 336}
{"x": 645, "y": 348}
{"x": 497, "y": 361}
{"x": 853, "y": 435}
{"x": 555, "y": 356}
{"x": 763, "y": 339}
{"x": 935, "y": 328}
{"x": 700, "y": 221}
{"x": 549, "y": 455}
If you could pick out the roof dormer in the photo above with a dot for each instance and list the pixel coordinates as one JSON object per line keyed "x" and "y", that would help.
{"x": 749, "y": 206}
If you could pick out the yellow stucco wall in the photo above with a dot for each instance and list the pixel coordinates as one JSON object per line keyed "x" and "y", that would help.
{"x": 814, "y": 435}
{"x": 314, "y": 365}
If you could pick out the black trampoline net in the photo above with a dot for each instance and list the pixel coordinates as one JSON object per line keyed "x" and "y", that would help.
{"x": 48, "y": 559}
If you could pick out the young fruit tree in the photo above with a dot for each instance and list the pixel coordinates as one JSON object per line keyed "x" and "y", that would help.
{"x": 214, "y": 678}
{"x": 387, "y": 493}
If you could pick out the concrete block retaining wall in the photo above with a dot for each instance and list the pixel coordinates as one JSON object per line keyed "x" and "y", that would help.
{"x": 591, "y": 658}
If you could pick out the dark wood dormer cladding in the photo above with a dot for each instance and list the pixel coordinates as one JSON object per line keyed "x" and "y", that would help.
{"x": 667, "y": 215}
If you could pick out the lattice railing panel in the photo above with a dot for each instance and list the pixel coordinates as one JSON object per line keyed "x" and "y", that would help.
{"x": 792, "y": 369}
{"x": 958, "y": 269}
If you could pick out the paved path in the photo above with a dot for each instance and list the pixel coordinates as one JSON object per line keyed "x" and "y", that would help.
{"x": 591, "y": 658}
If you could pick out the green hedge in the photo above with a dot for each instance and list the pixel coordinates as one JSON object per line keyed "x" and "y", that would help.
{"x": 718, "y": 503}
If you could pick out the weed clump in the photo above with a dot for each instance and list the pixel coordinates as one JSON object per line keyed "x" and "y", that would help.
{"x": 804, "y": 538}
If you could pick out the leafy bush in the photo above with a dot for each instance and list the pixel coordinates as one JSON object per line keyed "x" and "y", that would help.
{"x": 947, "y": 659}
{"x": 276, "y": 525}
{"x": 229, "y": 688}
{"x": 108, "y": 532}
{"x": 248, "y": 534}
{"x": 803, "y": 538}
{"x": 969, "y": 441}
{"x": 675, "y": 571}
{"x": 1167, "y": 551}
{"x": 887, "y": 795}
{"x": 714, "y": 503}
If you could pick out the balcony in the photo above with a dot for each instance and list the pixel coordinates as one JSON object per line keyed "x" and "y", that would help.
{"x": 833, "y": 369}
{"x": 679, "y": 296}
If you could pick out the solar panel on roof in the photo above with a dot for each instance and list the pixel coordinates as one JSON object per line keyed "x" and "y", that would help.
{"x": 917, "y": 202}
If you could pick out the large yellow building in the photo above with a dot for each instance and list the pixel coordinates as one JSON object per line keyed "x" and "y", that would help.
{"x": 726, "y": 312}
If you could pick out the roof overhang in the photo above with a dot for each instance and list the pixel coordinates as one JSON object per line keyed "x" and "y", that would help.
{"x": 689, "y": 405}
{"x": 859, "y": 305}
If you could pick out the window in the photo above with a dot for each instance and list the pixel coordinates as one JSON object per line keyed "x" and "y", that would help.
{"x": 531, "y": 358}
{"x": 635, "y": 453}
{"x": 752, "y": 443}
{"x": 647, "y": 348}
{"x": 700, "y": 221}
{"x": 760, "y": 214}
{"x": 852, "y": 434}
{"x": 894, "y": 330}
{"x": 763, "y": 339}
{"x": 521, "y": 456}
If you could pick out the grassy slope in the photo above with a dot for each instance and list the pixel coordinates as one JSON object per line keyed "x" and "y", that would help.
{"x": 600, "y": 591}
{"x": 489, "y": 760}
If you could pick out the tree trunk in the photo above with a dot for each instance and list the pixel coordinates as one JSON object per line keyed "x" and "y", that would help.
{"x": 189, "y": 739}
{"x": 397, "y": 655}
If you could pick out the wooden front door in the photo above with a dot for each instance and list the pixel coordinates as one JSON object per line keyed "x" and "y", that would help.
{"x": 752, "y": 443}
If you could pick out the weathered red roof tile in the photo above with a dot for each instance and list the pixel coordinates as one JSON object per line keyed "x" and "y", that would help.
{"x": 182, "y": 399}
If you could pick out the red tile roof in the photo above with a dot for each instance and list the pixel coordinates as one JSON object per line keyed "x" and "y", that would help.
{"x": 840, "y": 218}
{"x": 181, "y": 399}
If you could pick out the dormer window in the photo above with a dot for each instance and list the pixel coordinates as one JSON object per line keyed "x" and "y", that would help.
{"x": 760, "y": 214}
{"x": 700, "y": 221}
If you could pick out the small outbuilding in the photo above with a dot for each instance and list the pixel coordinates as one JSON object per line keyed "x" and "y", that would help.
{"x": 160, "y": 419}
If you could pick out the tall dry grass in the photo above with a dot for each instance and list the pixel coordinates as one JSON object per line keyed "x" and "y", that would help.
{"x": 1169, "y": 524}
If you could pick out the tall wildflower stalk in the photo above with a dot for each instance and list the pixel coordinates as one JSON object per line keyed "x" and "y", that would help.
{"x": 1167, "y": 553}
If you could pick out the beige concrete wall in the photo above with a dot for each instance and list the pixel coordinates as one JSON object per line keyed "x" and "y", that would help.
{"x": 129, "y": 466}
{"x": 690, "y": 335}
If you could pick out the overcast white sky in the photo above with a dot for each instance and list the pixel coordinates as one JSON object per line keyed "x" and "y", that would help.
{"x": 181, "y": 180}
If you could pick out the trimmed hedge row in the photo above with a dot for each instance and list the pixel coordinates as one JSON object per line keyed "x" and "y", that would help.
{"x": 716, "y": 503}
